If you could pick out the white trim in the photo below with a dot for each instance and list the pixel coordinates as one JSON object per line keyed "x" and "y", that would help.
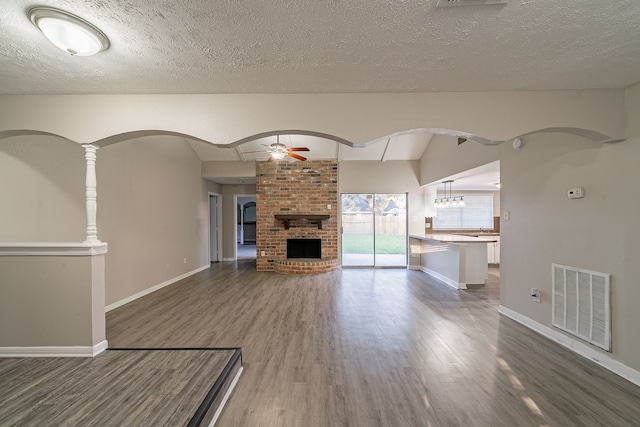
{"x": 235, "y": 225}
{"x": 71, "y": 351}
{"x": 219, "y": 225}
{"x": 226, "y": 397}
{"x": 147, "y": 291}
{"x": 442, "y": 278}
{"x": 52, "y": 249}
{"x": 576, "y": 346}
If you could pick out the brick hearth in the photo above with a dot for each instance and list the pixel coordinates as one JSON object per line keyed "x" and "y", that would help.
{"x": 300, "y": 188}
{"x": 305, "y": 266}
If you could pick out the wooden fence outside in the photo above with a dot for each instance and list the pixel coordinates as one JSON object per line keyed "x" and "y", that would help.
{"x": 360, "y": 223}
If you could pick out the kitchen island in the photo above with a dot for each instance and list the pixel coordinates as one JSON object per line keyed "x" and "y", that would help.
{"x": 455, "y": 259}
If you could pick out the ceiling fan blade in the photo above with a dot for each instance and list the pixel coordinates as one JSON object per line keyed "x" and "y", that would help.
{"x": 298, "y": 149}
{"x": 295, "y": 156}
{"x": 257, "y": 151}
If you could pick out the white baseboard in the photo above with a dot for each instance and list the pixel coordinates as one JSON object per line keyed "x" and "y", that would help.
{"x": 579, "y": 347}
{"x": 228, "y": 259}
{"x": 444, "y": 279}
{"x": 153, "y": 289}
{"x": 71, "y": 351}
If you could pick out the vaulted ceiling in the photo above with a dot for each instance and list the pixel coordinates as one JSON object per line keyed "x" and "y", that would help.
{"x": 400, "y": 147}
{"x": 327, "y": 46}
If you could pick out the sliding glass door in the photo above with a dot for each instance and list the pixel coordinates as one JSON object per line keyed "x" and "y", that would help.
{"x": 374, "y": 230}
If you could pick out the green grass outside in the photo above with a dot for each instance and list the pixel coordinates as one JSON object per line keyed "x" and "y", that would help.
{"x": 363, "y": 244}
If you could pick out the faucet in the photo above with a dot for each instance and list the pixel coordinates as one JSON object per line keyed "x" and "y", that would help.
{"x": 481, "y": 230}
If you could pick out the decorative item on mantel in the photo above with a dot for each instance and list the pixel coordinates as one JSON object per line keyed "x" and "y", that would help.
{"x": 313, "y": 219}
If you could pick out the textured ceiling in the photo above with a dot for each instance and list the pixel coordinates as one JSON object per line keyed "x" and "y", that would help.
{"x": 312, "y": 46}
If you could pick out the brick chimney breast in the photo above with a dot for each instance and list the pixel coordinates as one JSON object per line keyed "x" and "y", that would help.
{"x": 309, "y": 187}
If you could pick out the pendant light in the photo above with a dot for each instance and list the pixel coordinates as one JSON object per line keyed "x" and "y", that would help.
{"x": 448, "y": 201}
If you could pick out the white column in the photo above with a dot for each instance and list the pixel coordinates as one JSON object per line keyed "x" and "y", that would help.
{"x": 91, "y": 194}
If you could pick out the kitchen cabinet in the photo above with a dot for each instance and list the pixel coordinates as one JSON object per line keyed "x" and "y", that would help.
{"x": 493, "y": 251}
{"x": 455, "y": 259}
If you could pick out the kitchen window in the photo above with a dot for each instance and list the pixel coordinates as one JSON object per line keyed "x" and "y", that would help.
{"x": 477, "y": 214}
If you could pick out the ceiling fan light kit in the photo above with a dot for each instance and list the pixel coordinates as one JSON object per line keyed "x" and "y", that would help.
{"x": 278, "y": 155}
{"x": 278, "y": 151}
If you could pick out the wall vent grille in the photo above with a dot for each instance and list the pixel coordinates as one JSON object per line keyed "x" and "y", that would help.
{"x": 581, "y": 304}
{"x": 450, "y": 3}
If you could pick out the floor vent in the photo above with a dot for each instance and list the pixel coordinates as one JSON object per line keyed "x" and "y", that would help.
{"x": 581, "y": 304}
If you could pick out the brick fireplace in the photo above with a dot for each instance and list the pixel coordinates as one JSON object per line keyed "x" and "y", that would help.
{"x": 296, "y": 200}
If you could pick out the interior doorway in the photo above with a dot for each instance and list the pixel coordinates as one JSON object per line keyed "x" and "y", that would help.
{"x": 246, "y": 226}
{"x": 374, "y": 230}
{"x": 214, "y": 227}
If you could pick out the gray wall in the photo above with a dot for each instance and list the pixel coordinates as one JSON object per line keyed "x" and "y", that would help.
{"x": 444, "y": 157}
{"x": 399, "y": 176}
{"x": 43, "y": 305}
{"x": 41, "y": 190}
{"x": 598, "y": 232}
{"x": 152, "y": 211}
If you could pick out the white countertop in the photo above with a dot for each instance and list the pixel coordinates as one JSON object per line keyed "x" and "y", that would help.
{"x": 453, "y": 238}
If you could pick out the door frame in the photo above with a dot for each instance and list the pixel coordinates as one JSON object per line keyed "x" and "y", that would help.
{"x": 217, "y": 226}
{"x": 373, "y": 219}
{"x": 235, "y": 222}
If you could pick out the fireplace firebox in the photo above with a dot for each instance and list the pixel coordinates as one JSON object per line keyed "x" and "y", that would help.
{"x": 304, "y": 248}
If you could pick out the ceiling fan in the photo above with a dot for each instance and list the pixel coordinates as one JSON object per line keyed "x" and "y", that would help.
{"x": 278, "y": 151}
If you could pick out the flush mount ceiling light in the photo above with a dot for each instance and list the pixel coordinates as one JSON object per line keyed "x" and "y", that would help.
{"x": 69, "y": 32}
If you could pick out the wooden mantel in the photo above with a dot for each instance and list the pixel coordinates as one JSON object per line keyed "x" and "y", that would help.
{"x": 313, "y": 219}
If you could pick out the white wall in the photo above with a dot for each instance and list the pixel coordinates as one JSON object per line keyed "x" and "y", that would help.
{"x": 399, "y": 176}
{"x": 357, "y": 118}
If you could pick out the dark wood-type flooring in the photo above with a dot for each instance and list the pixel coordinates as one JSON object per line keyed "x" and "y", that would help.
{"x": 365, "y": 347}
{"x": 490, "y": 290}
{"x": 116, "y": 388}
